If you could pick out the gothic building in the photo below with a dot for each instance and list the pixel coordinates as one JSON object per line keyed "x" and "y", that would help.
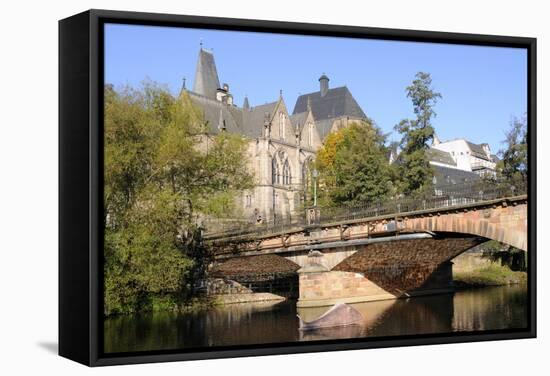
{"x": 281, "y": 144}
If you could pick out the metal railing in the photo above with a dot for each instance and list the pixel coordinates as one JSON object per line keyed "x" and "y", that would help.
{"x": 442, "y": 197}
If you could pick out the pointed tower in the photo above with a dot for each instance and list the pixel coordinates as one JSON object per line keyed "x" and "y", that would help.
{"x": 246, "y": 105}
{"x": 206, "y": 76}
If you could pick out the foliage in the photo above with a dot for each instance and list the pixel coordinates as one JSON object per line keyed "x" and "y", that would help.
{"x": 161, "y": 177}
{"x": 492, "y": 275}
{"x": 513, "y": 163}
{"x": 416, "y": 134}
{"x": 353, "y": 166}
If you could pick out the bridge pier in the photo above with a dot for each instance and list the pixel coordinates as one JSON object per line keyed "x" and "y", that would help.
{"x": 382, "y": 271}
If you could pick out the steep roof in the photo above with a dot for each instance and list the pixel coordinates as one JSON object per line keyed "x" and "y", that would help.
{"x": 445, "y": 176}
{"x": 477, "y": 150}
{"x": 206, "y": 76}
{"x": 235, "y": 119}
{"x": 254, "y": 118}
{"x": 436, "y": 155}
{"x": 335, "y": 103}
{"x": 298, "y": 119}
{"x": 323, "y": 127}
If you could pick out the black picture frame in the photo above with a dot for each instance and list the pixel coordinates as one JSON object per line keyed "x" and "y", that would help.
{"x": 81, "y": 183}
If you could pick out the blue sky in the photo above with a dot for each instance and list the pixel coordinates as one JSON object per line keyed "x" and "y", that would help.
{"x": 481, "y": 87}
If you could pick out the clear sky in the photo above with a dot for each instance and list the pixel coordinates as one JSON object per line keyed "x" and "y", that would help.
{"x": 481, "y": 87}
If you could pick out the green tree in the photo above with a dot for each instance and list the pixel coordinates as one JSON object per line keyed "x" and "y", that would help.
{"x": 416, "y": 135}
{"x": 354, "y": 167}
{"x": 160, "y": 180}
{"x": 513, "y": 164}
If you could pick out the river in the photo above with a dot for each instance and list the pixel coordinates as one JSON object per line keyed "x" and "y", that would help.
{"x": 489, "y": 308}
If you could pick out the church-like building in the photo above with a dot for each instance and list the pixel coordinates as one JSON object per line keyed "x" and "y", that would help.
{"x": 281, "y": 144}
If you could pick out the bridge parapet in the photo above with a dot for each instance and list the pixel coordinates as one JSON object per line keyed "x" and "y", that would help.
{"x": 504, "y": 220}
{"x": 453, "y": 196}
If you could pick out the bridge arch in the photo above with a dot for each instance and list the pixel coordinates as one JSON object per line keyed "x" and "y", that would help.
{"x": 505, "y": 224}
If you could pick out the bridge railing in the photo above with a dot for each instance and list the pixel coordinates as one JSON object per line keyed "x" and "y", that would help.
{"x": 442, "y": 197}
{"x": 220, "y": 228}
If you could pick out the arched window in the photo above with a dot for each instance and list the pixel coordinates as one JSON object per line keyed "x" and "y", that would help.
{"x": 286, "y": 173}
{"x": 281, "y": 125}
{"x": 309, "y": 134}
{"x": 274, "y": 171}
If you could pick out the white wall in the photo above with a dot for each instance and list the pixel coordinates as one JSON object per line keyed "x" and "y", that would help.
{"x": 459, "y": 151}
{"x": 28, "y": 155}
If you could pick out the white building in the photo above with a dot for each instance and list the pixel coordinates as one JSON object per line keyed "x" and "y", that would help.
{"x": 464, "y": 155}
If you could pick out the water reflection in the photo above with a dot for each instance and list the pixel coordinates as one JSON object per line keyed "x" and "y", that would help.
{"x": 481, "y": 309}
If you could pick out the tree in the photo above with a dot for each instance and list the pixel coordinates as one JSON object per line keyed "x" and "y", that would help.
{"x": 416, "y": 135}
{"x": 513, "y": 164}
{"x": 354, "y": 167}
{"x": 158, "y": 183}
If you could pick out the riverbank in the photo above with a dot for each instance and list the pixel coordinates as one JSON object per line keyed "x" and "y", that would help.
{"x": 491, "y": 275}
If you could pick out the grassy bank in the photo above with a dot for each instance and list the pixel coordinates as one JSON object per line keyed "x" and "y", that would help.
{"x": 492, "y": 275}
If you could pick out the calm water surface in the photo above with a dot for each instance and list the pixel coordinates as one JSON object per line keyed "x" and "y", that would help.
{"x": 489, "y": 308}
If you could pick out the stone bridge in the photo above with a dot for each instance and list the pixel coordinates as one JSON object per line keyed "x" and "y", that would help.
{"x": 376, "y": 257}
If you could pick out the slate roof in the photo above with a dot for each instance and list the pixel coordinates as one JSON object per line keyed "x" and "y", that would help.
{"x": 206, "y": 76}
{"x": 445, "y": 176}
{"x": 335, "y": 103}
{"x": 237, "y": 120}
{"x": 477, "y": 150}
{"x": 324, "y": 127}
{"x": 436, "y": 155}
{"x": 298, "y": 119}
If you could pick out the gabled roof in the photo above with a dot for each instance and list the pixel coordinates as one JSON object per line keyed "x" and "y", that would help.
{"x": 477, "y": 150}
{"x": 216, "y": 113}
{"x": 440, "y": 156}
{"x": 298, "y": 119}
{"x": 335, "y": 103}
{"x": 254, "y": 118}
{"x": 323, "y": 127}
{"x": 236, "y": 120}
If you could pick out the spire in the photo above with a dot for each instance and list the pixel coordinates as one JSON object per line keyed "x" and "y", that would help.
{"x": 308, "y": 103}
{"x": 246, "y": 105}
{"x": 206, "y": 76}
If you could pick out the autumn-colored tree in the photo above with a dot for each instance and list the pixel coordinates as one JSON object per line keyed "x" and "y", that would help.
{"x": 354, "y": 168}
{"x": 158, "y": 183}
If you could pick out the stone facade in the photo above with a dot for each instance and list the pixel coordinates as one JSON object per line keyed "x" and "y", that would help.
{"x": 504, "y": 222}
{"x": 281, "y": 144}
{"x": 326, "y": 288}
{"x": 381, "y": 271}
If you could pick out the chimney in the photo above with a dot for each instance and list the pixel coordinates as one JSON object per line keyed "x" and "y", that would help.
{"x": 323, "y": 85}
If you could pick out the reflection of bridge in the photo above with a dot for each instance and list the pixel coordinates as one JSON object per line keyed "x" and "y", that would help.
{"x": 380, "y": 251}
